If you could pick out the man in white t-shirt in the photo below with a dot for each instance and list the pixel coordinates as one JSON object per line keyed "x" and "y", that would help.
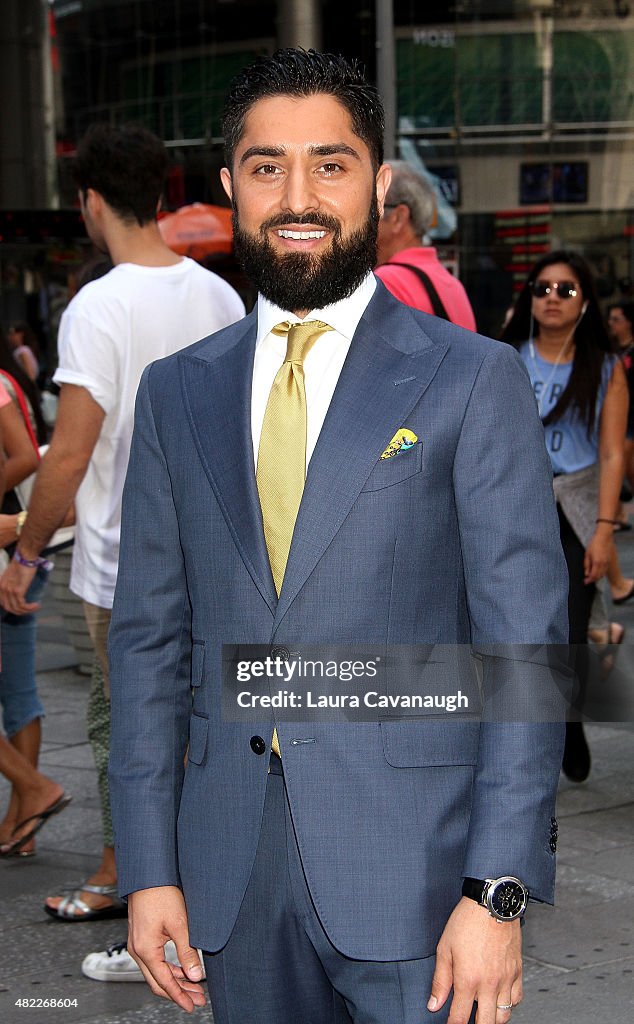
{"x": 152, "y": 303}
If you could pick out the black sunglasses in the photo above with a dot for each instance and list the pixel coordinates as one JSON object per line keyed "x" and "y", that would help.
{"x": 564, "y": 289}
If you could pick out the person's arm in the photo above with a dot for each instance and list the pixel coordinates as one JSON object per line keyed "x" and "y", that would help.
{"x": 2, "y": 463}
{"x": 612, "y": 426}
{"x": 77, "y": 428}
{"x": 21, "y": 457}
{"x": 516, "y": 584}
{"x": 28, "y": 363}
{"x": 150, "y": 676}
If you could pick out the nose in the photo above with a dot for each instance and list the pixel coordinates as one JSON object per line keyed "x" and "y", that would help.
{"x": 300, "y": 193}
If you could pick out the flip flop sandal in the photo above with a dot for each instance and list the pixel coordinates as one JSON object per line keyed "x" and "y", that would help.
{"x": 73, "y": 908}
{"x": 12, "y": 849}
{"x": 18, "y": 853}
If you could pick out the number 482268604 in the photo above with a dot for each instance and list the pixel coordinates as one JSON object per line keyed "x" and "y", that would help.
{"x": 40, "y": 1003}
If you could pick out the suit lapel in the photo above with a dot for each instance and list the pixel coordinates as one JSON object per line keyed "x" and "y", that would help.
{"x": 217, "y": 389}
{"x": 378, "y": 388}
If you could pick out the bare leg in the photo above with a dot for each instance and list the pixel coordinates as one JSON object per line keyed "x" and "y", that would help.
{"x": 27, "y": 742}
{"x": 35, "y": 792}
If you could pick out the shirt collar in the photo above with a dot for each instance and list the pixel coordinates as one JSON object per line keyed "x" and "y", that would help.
{"x": 342, "y": 316}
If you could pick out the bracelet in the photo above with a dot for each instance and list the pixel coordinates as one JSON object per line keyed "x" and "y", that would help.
{"x": 33, "y": 563}
{"x": 20, "y": 521}
{"x": 612, "y": 522}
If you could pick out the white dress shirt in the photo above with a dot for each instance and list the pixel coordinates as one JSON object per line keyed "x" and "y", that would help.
{"x": 322, "y": 365}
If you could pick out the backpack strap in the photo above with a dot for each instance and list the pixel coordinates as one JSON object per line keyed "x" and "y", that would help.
{"x": 24, "y": 409}
{"x": 434, "y": 297}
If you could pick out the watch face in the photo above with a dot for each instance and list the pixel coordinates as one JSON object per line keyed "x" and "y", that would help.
{"x": 507, "y": 899}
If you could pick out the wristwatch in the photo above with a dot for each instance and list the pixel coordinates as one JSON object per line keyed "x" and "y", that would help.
{"x": 505, "y": 898}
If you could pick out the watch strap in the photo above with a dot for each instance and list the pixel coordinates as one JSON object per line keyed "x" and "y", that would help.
{"x": 474, "y": 889}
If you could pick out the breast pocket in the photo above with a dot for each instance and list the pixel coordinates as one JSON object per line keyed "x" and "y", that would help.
{"x": 388, "y": 472}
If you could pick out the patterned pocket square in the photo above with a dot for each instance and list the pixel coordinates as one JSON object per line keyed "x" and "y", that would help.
{"x": 402, "y": 441}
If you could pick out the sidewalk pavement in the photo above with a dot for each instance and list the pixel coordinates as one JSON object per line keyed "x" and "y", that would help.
{"x": 579, "y": 957}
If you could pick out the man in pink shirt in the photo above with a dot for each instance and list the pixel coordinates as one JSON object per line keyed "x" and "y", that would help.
{"x": 411, "y": 271}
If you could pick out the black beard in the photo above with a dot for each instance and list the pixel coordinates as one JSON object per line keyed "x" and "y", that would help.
{"x": 304, "y": 281}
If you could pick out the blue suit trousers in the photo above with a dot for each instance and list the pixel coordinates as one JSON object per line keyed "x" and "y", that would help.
{"x": 279, "y": 964}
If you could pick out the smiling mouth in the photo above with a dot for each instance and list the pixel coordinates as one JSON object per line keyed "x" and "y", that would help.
{"x": 300, "y": 235}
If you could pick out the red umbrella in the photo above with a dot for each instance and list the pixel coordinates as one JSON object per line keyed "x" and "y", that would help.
{"x": 198, "y": 230}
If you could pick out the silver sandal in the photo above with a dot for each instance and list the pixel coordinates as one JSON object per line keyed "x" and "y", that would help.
{"x": 73, "y": 908}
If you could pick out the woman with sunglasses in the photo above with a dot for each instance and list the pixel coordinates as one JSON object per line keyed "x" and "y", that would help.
{"x": 582, "y": 398}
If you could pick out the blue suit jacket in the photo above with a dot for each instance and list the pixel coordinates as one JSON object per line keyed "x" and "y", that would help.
{"x": 455, "y": 542}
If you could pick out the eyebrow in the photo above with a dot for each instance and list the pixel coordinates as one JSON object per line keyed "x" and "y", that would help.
{"x": 329, "y": 149}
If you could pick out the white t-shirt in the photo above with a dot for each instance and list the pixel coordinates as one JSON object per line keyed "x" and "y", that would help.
{"x": 108, "y": 334}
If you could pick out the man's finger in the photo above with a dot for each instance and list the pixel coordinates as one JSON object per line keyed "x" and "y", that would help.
{"x": 517, "y": 991}
{"x": 185, "y": 994}
{"x": 504, "y": 1007}
{"x": 441, "y": 983}
{"x": 21, "y": 607}
{"x": 190, "y": 962}
{"x": 461, "y": 1007}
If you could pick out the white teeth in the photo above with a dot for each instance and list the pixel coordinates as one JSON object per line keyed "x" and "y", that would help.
{"x": 300, "y": 235}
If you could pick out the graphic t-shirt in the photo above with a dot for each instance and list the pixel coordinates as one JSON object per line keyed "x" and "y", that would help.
{"x": 567, "y": 440}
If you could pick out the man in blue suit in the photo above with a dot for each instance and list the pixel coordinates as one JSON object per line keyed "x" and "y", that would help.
{"x": 334, "y": 871}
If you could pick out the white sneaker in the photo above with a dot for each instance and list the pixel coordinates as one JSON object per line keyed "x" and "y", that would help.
{"x": 116, "y": 964}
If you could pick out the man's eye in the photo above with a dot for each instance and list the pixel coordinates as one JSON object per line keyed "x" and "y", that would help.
{"x": 331, "y": 168}
{"x": 267, "y": 169}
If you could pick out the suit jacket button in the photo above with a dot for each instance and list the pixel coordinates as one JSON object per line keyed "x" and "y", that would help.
{"x": 280, "y": 652}
{"x": 258, "y": 746}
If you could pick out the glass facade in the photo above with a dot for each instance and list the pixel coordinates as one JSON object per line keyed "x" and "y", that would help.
{"x": 525, "y": 113}
{"x": 521, "y": 110}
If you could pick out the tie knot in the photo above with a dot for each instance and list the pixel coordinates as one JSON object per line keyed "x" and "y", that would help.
{"x": 301, "y": 338}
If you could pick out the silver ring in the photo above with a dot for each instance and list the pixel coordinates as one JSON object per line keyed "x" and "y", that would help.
{"x": 504, "y": 1006}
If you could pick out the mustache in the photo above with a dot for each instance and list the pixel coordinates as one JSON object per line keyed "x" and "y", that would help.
{"x": 320, "y": 220}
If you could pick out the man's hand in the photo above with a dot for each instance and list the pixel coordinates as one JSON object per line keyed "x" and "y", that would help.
{"x": 14, "y": 583}
{"x": 482, "y": 959}
{"x": 155, "y": 916}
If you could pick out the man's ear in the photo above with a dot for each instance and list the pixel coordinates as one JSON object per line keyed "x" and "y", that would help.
{"x": 93, "y": 202}
{"x": 227, "y": 184}
{"x": 383, "y": 179}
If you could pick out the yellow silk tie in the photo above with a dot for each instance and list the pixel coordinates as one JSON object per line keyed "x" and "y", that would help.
{"x": 281, "y": 467}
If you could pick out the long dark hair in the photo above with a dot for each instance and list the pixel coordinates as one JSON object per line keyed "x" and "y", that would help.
{"x": 21, "y": 377}
{"x": 592, "y": 343}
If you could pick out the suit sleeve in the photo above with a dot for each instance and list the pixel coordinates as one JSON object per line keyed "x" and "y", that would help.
{"x": 150, "y": 658}
{"x": 517, "y": 588}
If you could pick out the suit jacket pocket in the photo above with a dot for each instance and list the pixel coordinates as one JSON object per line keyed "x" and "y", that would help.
{"x": 198, "y": 728}
{"x": 393, "y": 471}
{"x": 428, "y": 743}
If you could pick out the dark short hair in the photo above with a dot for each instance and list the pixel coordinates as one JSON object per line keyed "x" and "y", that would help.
{"x": 126, "y": 165}
{"x": 626, "y": 307}
{"x": 297, "y": 72}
